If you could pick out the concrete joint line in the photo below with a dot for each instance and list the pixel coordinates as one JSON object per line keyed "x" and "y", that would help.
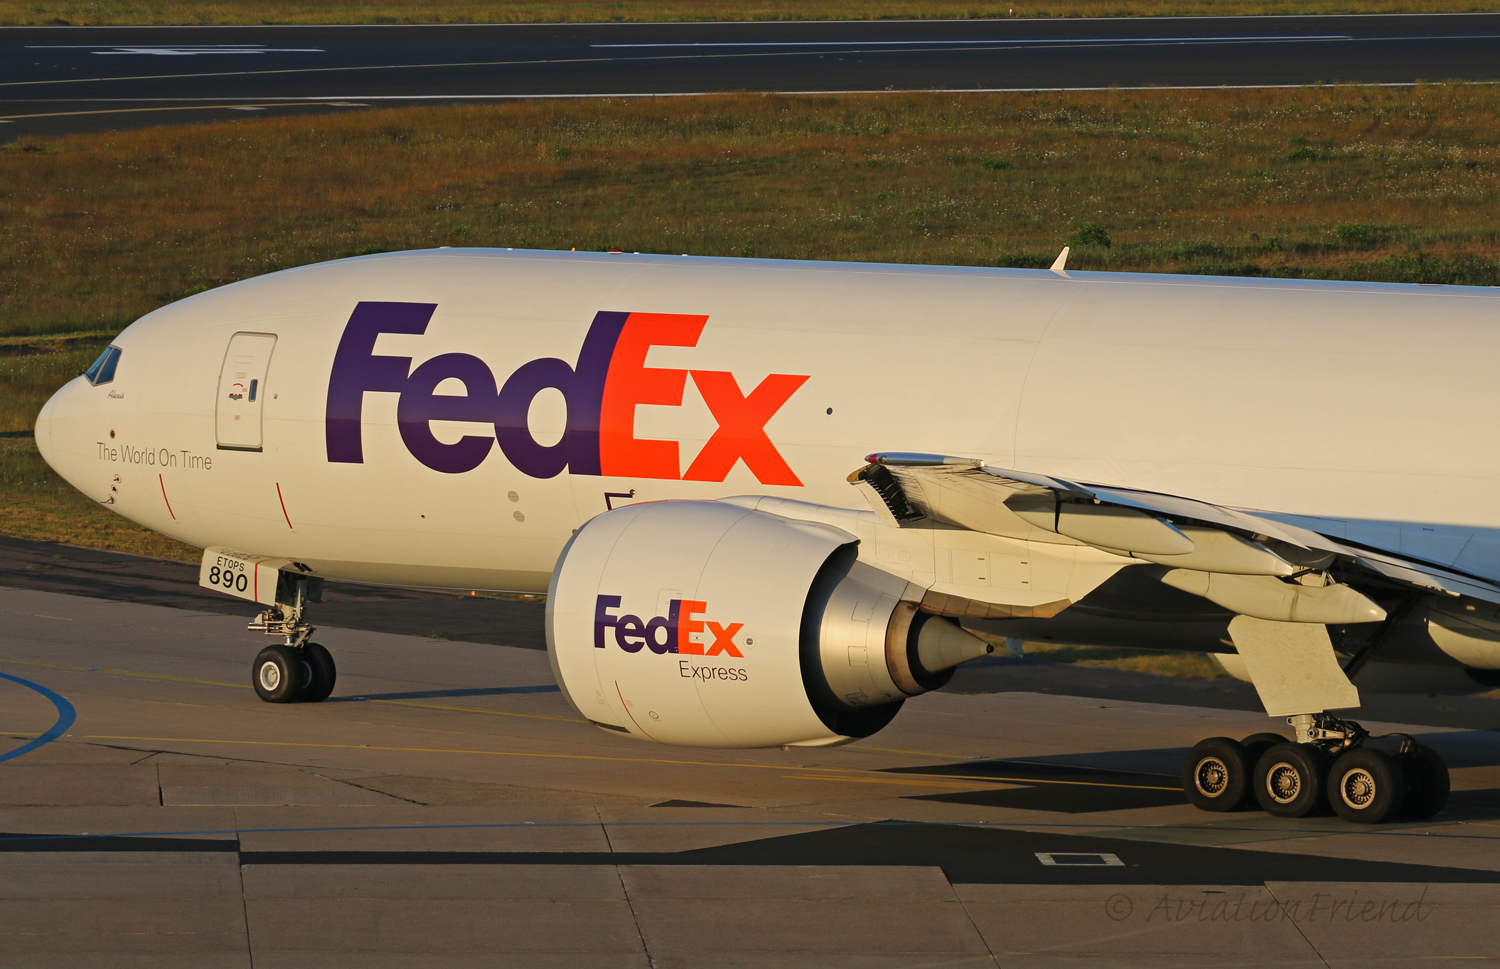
{"x": 244, "y": 901}
{"x": 361, "y": 787}
{"x": 629, "y": 902}
{"x": 989, "y": 950}
{"x": 1310, "y": 944}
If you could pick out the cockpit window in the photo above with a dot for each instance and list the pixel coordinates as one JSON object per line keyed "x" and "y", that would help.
{"x": 103, "y": 370}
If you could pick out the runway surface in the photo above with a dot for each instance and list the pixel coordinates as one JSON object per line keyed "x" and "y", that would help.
{"x": 56, "y": 80}
{"x": 446, "y": 807}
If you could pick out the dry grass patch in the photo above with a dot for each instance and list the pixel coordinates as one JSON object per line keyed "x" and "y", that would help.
{"x": 1359, "y": 183}
{"x": 1194, "y": 666}
{"x": 31, "y": 368}
{"x": 1186, "y": 665}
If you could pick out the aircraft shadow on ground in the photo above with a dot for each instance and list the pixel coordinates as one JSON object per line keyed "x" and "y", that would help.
{"x": 1476, "y": 805}
{"x": 965, "y": 853}
{"x": 1035, "y": 785}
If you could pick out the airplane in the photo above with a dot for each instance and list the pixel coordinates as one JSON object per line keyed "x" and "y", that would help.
{"x": 768, "y": 501}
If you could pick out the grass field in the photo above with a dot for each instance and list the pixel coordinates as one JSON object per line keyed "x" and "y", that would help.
{"x": 80, "y": 12}
{"x": 1192, "y": 666}
{"x": 1395, "y": 184}
{"x": 1357, "y": 183}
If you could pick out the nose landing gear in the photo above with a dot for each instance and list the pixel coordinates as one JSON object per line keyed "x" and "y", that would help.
{"x": 298, "y": 670}
{"x": 322, "y": 674}
{"x": 1330, "y": 766}
{"x": 293, "y": 674}
{"x": 278, "y": 674}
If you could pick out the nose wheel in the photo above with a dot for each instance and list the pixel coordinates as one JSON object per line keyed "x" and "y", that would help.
{"x": 277, "y": 674}
{"x": 298, "y": 670}
{"x": 322, "y": 674}
{"x": 293, "y": 674}
{"x": 1330, "y": 767}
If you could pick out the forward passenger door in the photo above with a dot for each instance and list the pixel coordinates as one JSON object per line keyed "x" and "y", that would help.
{"x": 242, "y": 391}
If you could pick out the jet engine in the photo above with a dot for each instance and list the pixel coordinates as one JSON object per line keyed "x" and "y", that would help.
{"x": 707, "y": 624}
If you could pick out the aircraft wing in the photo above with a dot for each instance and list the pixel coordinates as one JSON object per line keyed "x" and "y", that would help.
{"x": 1166, "y": 529}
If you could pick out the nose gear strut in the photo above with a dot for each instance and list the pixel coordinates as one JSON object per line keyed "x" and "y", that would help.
{"x": 296, "y": 670}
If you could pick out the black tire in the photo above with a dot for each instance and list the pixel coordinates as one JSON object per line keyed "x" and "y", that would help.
{"x": 1366, "y": 786}
{"x": 1216, "y": 774}
{"x": 324, "y": 674}
{"x": 1258, "y": 743}
{"x": 1426, "y": 783}
{"x": 1291, "y": 780}
{"x": 278, "y": 674}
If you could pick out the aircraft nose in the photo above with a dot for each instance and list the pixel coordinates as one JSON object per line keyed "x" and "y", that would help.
{"x": 43, "y": 431}
{"x": 66, "y": 436}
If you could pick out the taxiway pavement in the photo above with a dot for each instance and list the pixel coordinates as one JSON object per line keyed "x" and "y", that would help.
{"x": 57, "y": 80}
{"x": 446, "y": 807}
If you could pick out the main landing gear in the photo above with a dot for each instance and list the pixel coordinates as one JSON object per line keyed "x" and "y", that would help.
{"x": 1329, "y": 766}
{"x": 298, "y": 670}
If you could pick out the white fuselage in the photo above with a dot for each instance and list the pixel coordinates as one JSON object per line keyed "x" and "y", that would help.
{"x": 1369, "y": 408}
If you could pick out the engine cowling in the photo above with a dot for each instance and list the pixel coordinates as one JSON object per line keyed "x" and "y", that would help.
{"x": 707, "y": 624}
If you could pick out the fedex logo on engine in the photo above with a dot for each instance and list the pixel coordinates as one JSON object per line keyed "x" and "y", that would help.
{"x": 602, "y": 389}
{"x": 672, "y": 633}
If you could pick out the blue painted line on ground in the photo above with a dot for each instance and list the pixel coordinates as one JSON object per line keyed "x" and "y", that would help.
{"x": 65, "y": 717}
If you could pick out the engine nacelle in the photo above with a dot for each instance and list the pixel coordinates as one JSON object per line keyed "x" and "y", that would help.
{"x": 706, "y": 624}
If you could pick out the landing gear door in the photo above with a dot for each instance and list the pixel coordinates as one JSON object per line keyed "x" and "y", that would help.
{"x": 242, "y": 391}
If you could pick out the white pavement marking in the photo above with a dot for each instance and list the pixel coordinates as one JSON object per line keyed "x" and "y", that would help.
{"x": 322, "y": 99}
{"x": 1083, "y": 859}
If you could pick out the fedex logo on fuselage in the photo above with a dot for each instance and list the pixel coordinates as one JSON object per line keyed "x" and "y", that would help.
{"x": 602, "y": 389}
